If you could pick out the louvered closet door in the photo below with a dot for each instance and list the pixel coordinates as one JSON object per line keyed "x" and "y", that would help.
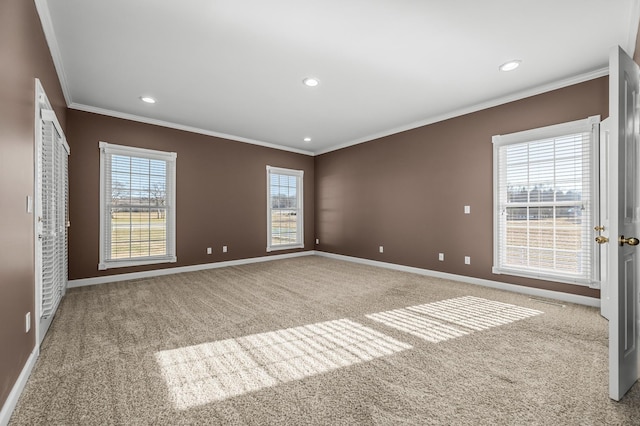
{"x": 53, "y": 218}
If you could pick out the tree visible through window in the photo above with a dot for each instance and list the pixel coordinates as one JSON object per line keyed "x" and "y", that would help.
{"x": 544, "y": 202}
{"x": 284, "y": 210}
{"x": 138, "y": 218}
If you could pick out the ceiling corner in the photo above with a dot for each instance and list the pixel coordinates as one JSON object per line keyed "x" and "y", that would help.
{"x": 50, "y": 35}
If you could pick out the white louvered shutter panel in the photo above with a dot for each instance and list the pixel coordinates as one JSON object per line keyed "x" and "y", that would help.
{"x": 54, "y": 195}
{"x": 48, "y": 187}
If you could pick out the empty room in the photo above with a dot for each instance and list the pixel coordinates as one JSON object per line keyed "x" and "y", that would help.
{"x": 326, "y": 213}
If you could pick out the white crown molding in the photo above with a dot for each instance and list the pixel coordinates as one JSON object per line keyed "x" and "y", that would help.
{"x": 474, "y": 108}
{"x": 431, "y": 120}
{"x": 467, "y": 110}
{"x": 18, "y": 387}
{"x": 52, "y": 41}
{"x": 634, "y": 21}
{"x": 192, "y": 268}
{"x": 162, "y": 123}
{"x": 529, "y": 291}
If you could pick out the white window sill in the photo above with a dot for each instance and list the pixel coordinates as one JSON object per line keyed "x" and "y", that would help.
{"x": 111, "y": 264}
{"x": 541, "y": 275}
{"x": 284, "y": 247}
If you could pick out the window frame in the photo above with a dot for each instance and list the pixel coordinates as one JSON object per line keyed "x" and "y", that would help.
{"x": 105, "y": 219}
{"x": 588, "y": 125}
{"x": 299, "y": 175}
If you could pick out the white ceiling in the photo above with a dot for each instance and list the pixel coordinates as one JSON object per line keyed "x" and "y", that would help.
{"x": 234, "y": 68}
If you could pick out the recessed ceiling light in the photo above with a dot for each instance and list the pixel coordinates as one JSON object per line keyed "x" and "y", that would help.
{"x": 307, "y": 139}
{"x": 510, "y": 66}
{"x": 147, "y": 99}
{"x": 311, "y": 81}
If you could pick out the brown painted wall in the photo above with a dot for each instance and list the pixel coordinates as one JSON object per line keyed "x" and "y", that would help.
{"x": 221, "y": 192}
{"x": 636, "y": 52}
{"x": 24, "y": 55}
{"x": 407, "y": 191}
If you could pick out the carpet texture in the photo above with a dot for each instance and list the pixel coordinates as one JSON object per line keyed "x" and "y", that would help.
{"x": 316, "y": 341}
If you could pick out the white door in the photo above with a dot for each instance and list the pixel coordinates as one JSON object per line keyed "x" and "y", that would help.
{"x": 624, "y": 214}
{"x": 51, "y": 214}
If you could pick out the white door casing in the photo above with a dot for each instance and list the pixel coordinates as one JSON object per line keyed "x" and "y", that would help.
{"x": 604, "y": 224}
{"x": 41, "y": 102}
{"x": 624, "y": 215}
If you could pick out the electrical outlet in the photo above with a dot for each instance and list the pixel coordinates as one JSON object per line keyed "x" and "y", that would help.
{"x": 467, "y": 260}
{"x": 27, "y": 322}
{"x": 224, "y": 249}
{"x": 317, "y": 240}
{"x": 467, "y": 209}
{"x": 209, "y": 250}
{"x": 381, "y": 249}
{"x": 441, "y": 257}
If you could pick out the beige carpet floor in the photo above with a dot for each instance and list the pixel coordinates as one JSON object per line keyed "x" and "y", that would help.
{"x": 318, "y": 341}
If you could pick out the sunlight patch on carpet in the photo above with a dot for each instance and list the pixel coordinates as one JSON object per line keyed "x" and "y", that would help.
{"x": 447, "y": 319}
{"x": 214, "y": 371}
{"x": 417, "y": 325}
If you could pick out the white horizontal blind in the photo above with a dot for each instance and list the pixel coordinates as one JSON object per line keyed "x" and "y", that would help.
{"x": 138, "y": 206}
{"x": 285, "y": 215}
{"x": 544, "y": 201}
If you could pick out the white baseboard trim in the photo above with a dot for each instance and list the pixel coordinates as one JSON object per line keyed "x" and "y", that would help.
{"x": 530, "y": 291}
{"x": 168, "y": 271}
{"x": 18, "y": 387}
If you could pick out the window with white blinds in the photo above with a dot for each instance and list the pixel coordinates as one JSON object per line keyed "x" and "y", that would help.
{"x": 545, "y": 202}
{"x": 285, "y": 216}
{"x": 137, "y": 204}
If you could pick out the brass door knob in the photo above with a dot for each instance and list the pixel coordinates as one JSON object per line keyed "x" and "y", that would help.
{"x": 632, "y": 241}
{"x": 601, "y": 240}
{"x": 599, "y": 228}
